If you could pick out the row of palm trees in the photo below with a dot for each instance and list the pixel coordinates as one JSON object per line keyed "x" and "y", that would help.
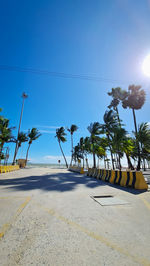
{"x": 6, "y": 136}
{"x": 110, "y": 139}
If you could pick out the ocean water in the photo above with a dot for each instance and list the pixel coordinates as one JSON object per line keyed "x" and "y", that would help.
{"x": 52, "y": 166}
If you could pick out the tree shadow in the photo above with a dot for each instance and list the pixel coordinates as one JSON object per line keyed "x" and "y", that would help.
{"x": 50, "y": 182}
{"x": 60, "y": 182}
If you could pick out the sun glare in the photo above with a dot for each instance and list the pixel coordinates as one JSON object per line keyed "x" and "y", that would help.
{"x": 146, "y": 66}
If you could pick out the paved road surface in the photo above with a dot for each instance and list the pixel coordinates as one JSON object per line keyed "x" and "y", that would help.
{"x": 47, "y": 217}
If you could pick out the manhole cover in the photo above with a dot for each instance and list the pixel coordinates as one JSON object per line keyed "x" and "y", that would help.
{"x": 109, "y": 200}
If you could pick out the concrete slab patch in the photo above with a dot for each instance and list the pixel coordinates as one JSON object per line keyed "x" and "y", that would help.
{"x": 109, "y": 200}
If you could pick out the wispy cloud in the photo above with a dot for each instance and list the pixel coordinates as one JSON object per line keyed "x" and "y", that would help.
{"x": 50, "y": 127}
{"x": 55, "y": 158}
{"x": 44, "y": 131}
{"x": 47, "y": 131}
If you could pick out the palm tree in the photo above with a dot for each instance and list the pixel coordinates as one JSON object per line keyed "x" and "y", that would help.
{"x": 72, "y": 129}
{"x": 100, "y": 152}
{"x": 60, "y": 135}
{"x": 77, "y": 153}
{"x": 81, "y": 143}
{"x": 135, "y": 100}
{"x": 94, "y": 129}
{"x": 22, "y": 137}
{"x": 5, "y": 133}
{"x": 128, "y": 148}
{"x": 110, "y": 123}
{"x": 143, "y": 137}
{"x": 118, "y": 95}
{"x": 33, "y": 134}
{"x": 121, "y": 145}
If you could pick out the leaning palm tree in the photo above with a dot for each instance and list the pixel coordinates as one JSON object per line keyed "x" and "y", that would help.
{"x": 33, "y": 134}
{"x": 60, "y": 135}
{"x": 135, "y": 100}
{"x": 22, "y": 137}
{"x": 72, "y": 129}
{"x": 94, "y": 129}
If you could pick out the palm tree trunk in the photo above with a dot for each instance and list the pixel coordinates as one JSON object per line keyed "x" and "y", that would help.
{"x": 94, "y": 160}
{"x": 118, "y": 116}
{"x": 87, "y": 164}
{"x": 15, "y": 154}
{"x": 112, "y": 160}
{"x": 27, "y": 153}
{"x": 130, "y": 165}
{"x": 63, "y": 154}
{"x": 72, "y": 149}
{"x": 83, "y": 161}
{"x": 144, "y": 164}
{"x": 104, "y": 162}
{"x": 119, "y": 161}
{"x": 134, "y": 117}
{"x": 1, "y": 149}
{"x": 135, "y": 125}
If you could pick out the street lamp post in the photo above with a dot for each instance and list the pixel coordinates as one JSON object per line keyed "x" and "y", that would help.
{"x": 24, "y": 96}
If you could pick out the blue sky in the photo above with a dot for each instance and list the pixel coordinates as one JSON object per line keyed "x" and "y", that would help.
{"x": 105, "y": 39}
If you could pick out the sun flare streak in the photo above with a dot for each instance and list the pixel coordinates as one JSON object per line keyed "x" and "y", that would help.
{"x": 146, "y": 66}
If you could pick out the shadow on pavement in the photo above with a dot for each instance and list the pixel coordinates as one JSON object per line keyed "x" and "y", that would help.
{"x": 50, "y": 182}
{"x": 58, "y": 182}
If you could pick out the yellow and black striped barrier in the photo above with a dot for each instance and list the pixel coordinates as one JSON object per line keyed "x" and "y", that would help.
{"x": 76, "y": 169}
{"x": 8, "y": 168}
{"x": 131, "y": 179}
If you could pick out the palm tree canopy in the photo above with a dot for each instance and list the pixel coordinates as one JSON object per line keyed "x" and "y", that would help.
{"x": 60, "y": 134}
{"x": 143, "y": 136}
{"x": 135, "y": 98}
{"x": 118, "y": 93}
{"x": 110, "y": 118}
{"x": 22, "y": 137}
{"x": 110, "y": 122}
{"x": 94, "y": 128}
{"x": 114, "y": 103}
{"x": 100, "y": 152}
{"x": 5, "y": 131}
{"x": 33, "y": 134}
{"x": 77, "y": 153}
{"x": 72, "y": 129}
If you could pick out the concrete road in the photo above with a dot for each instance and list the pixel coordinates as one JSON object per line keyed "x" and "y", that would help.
{"x": 47, "y": 217}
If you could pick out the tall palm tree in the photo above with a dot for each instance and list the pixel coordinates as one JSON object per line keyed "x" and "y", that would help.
{"x": 72, "y": 129}
{"x": 94, "y": 129}
{"x": 60, "y": 135}
{"x": 33, "y": 134}
{"x": 22, "y": 137}
{"x": 135, "y": 100}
